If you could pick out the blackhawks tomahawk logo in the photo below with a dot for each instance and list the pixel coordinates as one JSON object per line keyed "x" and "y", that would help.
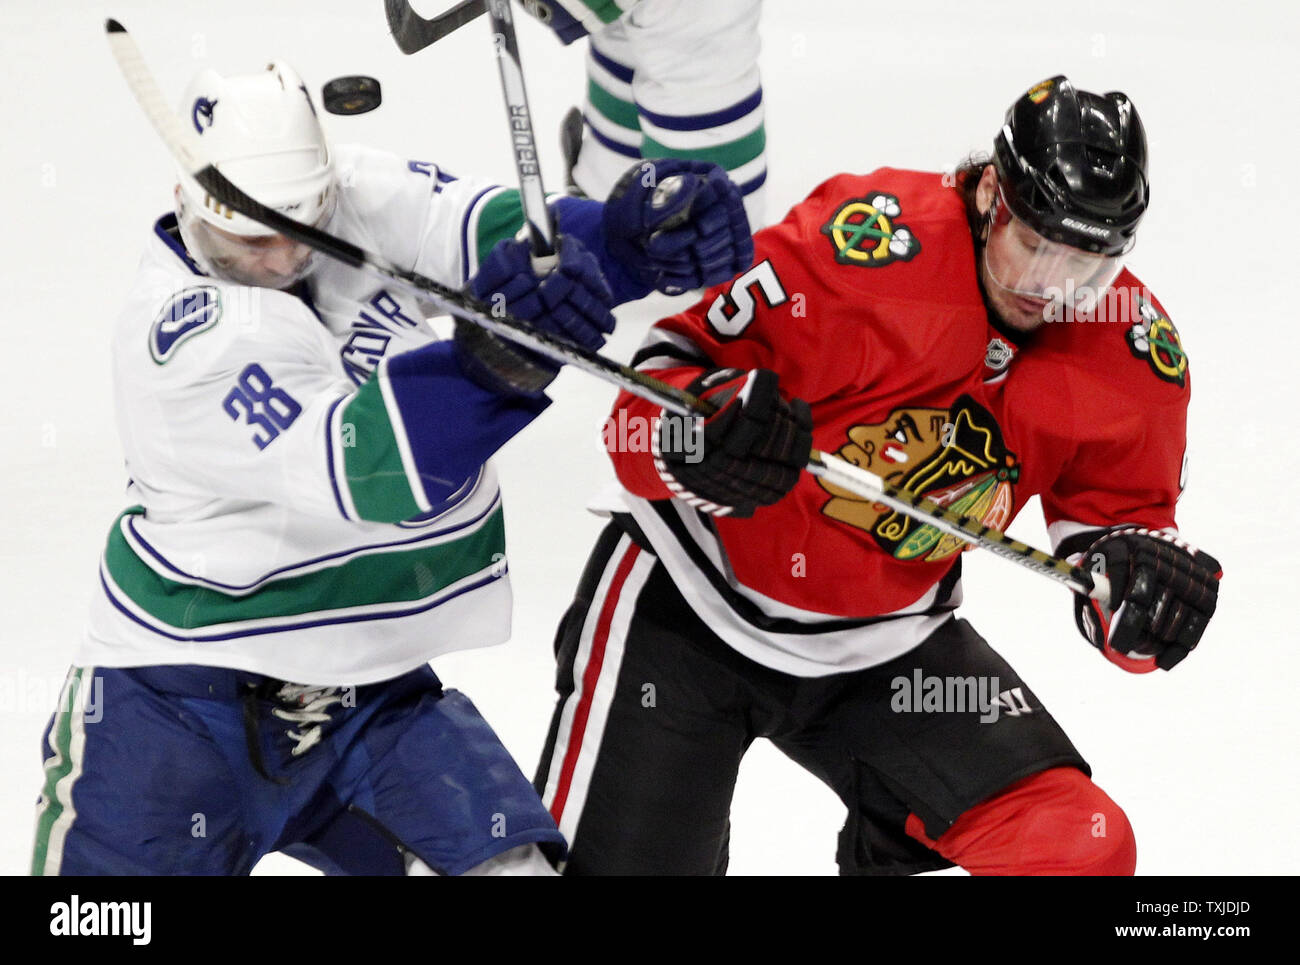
{"x": 1154, "y": 338}
{"x": 865, "y": 233}
{"x": 955, "y": 457}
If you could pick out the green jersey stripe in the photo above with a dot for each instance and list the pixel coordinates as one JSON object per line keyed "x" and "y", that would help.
{"x": 500, "y": 218}
{"x": 618, "y": 111}
{"x": 376, "y": 478}
{"x": 386, "y": 578}
{"x": 730, "y": 155}
{"x": 57, "y": 769}
{"x": 603, "y": 12}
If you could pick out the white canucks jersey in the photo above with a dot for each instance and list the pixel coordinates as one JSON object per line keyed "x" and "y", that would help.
{"x": 300, "y": 503}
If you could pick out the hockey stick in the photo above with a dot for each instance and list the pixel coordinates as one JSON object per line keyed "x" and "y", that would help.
{"x": 844, "y": 474}
{"x": 541, "y": 227}
{"x": 187, "y": 151}
{"x": 413, "y": 32}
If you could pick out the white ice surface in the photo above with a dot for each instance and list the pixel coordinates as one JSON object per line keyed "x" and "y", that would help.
{"x": 1202, "y": 759}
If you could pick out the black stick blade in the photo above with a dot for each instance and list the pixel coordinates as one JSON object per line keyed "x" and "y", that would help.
{"x": 413, "y": 32}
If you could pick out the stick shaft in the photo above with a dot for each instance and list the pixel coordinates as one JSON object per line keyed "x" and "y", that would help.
{"x": 541, "y": 229}
{"x": 850, "y": 477}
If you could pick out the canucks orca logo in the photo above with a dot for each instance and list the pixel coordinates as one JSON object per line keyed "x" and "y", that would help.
{"x": 201, "y": 113}
{"x": 185, "y": 315}
{"x": 864, "y": 233}
{"x": 1153, "y": 338}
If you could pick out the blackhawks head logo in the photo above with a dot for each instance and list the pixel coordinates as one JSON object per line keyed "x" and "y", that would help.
{"x": 865, "y": 233}
{"x": 1154, "y": 338}
{"x": 955, "y": 457}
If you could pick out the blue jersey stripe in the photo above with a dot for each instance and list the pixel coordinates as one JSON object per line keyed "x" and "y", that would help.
{"x": 329, "y": 458}
{"x": 160, "y": 228}
{"x": 613, "y": 145}
{"x": 619, "y": 71}
{"x": 753, "y": 184}
{"x": 701, "y": 122}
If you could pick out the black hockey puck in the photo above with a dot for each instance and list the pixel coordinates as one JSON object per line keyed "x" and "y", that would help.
{"x": 351, "y": 95}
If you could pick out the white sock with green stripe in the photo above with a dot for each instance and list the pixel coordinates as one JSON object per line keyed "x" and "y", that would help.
{"x": 612, "y": 140}
{"x": 697, "y": 107}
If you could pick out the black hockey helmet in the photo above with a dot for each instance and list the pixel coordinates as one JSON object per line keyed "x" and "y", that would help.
{"x": 1073, "y": 165}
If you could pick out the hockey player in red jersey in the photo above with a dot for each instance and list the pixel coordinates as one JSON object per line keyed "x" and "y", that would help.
{"x": 972, "y": 338}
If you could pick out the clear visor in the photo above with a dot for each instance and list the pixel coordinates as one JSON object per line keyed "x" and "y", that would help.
{"x": 1023, "y": 262}
{"x": 262, "y": 261}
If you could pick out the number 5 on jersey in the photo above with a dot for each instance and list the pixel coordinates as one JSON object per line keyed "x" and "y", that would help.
{"x": 263, "y": 406}
{"x": 733, "y": 310}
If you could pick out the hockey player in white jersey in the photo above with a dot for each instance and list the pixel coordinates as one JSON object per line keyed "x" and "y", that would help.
{"x": 312, "y": 514}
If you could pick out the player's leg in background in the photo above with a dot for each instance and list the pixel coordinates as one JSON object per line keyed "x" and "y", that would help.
{"x": 640, "y": 764}
{"x": 676, "y": 78}
{"x": 611, "y": 142}
{"x": 977, "y": 774}
{"x": 135, "y": 784}
{"x": 697, "y": 88}
{"x": 421, "y": 785}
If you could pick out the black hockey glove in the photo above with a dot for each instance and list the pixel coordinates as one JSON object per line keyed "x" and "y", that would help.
{"x": 677, "y": 225}
{"x": 1163, "y": 592}
{"x": 572, "y": 301}
{"x": 747, "y": 454}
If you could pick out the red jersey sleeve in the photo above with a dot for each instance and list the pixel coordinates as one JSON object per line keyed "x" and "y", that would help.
{"x": 1128, "y": 413}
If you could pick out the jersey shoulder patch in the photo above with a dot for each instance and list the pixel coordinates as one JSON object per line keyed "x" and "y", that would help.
{"x": 864, "y": 231}
{"x": 189, "y": 312}
{"x": 1153, "y": 338}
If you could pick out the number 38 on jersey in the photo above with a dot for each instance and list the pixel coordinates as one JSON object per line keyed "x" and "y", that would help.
{"x": 256, "y": 399}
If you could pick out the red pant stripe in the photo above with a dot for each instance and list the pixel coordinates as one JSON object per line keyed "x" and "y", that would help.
{"x": 590, "y": 677}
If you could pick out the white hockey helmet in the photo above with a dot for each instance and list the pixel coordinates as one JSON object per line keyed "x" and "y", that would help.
{"x": 261, "y": 131}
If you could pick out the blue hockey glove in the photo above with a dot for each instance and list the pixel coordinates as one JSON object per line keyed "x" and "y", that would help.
{"x": 677, "y": 225}
{"x": 571, "y": 301}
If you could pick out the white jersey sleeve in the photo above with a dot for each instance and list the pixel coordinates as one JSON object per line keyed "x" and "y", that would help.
{"x": 421, "y": 217}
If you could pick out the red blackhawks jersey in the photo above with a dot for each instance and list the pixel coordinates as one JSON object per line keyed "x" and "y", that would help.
{"x": 865, "y": 300}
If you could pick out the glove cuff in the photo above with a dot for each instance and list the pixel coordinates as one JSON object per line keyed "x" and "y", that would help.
{"x": 666, "y": 421}
{"x": 497, "y": 365}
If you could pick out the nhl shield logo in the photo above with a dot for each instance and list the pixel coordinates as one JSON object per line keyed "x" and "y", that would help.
{"x": 999, "y": 355}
